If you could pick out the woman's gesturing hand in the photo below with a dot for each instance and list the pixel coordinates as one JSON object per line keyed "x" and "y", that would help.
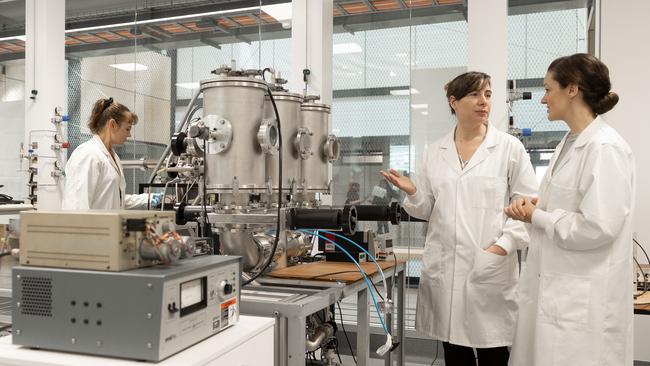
{"x": 400, "y": 181}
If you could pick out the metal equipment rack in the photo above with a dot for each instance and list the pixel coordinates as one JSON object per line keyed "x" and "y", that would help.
{"x": 291, "y": 301}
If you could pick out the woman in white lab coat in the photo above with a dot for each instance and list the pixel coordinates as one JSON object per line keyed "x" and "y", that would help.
{"x": 466, "y": 296}
{"x": 93, "y": 175}
{"x": 575, "y": 294}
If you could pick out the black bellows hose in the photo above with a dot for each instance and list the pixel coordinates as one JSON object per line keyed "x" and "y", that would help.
{"x": 277, "y": 227}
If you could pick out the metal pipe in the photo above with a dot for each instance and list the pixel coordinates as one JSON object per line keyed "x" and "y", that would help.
{"x": 185, "y": 120}
{"x": 138, "y": 164}
{"x": 321, "y": 334}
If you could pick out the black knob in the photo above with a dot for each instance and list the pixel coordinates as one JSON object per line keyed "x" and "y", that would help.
{"x": 172, "y": 308}
{"x": 178, "y": 143}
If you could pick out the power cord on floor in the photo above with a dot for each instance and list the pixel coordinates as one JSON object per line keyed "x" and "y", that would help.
{"x": 437, "y": 348}
{"x": 346, "y": 333}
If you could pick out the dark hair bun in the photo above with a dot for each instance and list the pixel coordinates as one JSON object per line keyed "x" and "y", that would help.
{"x": 605, "y": 103}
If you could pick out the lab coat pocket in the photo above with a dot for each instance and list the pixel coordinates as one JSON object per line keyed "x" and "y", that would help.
{"x": 563, "y": 197}
{"x": 564, "y": 300}
{"x": 487, "y": 192}
{"x": 489, "y": 268}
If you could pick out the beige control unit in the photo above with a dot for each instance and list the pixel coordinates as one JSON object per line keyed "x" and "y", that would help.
{"x": 99, "y": 240}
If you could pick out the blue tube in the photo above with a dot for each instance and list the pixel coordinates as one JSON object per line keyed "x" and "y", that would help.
{"x": 360, "y": 247}
{"x": 368, "y": 284}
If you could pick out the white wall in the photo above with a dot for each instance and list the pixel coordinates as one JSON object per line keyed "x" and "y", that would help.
{"x": 13, "y": 130}
{"x": 625, "y": 48}
{"x": 623, "y": 34}
{"x": 438, "y": 120}
{"x": 12, "y": 123}
{"x": 487, "y": 40}
{"x": 150, "y": 101}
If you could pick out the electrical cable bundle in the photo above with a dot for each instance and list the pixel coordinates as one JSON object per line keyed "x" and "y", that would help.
{"x": 388, "y": 346}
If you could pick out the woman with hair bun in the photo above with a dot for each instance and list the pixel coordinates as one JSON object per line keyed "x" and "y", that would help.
{"x": 93, "y": 175}
{"x": 575, "y": 294}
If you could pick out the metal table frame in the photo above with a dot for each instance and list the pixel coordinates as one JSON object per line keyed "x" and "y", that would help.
{"x": 312, "y": 296}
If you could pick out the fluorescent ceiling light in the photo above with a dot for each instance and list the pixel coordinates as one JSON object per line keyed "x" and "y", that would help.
{"x": 188, "y": 85}
{"x": 424, "y": 113}
{"x": 419, "y": 106}
{"x": 146, "y": 21}
{"x": 17, "y": 38}
{"x": 131, "y": 66}
{"x": 280, "y": 12}
{"x": 342, "y": 48}
{"x": 158, "y": 20}
{"x": 404, "y": 91}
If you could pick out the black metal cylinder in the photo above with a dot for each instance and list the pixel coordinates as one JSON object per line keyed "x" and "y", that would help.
{"x": 390, "y": 213}
{"x": 185, "y": 213}
{"x": 322, "y": 218}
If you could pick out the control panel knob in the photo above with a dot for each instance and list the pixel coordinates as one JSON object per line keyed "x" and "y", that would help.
{"x": 172, "y": 307}
{"x": 225, "y": 288}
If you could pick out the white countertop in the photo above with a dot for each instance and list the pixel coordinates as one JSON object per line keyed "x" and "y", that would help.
{"x": 201, "y": 353}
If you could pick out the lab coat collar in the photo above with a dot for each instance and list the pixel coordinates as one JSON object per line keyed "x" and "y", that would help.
{"x": 450, "y": 154}
{"x": 584, "y": 137}
{"x": 112, "y": 159}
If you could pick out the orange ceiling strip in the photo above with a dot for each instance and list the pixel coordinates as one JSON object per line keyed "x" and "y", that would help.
{"x": 383, "y": 5}
{"x": 173, "y": 28}
{"x": 267, "y": 18}
{"x": 8, "y": 46}
{"x": 355, "y": 8}
{"x": 71, "y": 41}
{"x": 127, "y": 33}
{"x": 225, "y": 23}
{"x": 194, "y": 27}
{"x": 448, "y": 2}
{"x": 88, "y": 38}
{"x": 418, "y": 3}
{"x": 108, "y": 36}
{"x": 244, "y": 20}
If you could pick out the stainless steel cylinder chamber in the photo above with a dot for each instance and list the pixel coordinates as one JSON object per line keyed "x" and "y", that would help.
{"x": 325, "y": 147}
{"x": 233, "y": 110}
{"x": 293, "y": 147}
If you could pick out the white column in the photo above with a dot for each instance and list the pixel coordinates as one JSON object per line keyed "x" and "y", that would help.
{"x": 44, "y": 73}
{"x": 622, "y": 39}
{"x": 488, "y": 52}
{"x": 312, "y": 27}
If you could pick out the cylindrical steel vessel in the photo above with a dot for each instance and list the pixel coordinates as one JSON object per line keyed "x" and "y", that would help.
{"x": 325, "y": 147}
{"x": 237, "y": 102}
{"x": 288, "y": 105}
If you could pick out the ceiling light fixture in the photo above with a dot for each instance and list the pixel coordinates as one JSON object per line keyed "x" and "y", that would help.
{"x": 130, "y": 66}
{"x": 343, "y": 48}
{"x": 188, "y": 85}
{"x": 404, "y": 91}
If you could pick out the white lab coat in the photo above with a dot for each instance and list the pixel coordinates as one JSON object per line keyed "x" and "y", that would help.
{"x": 466, "y": 295}
{"x": 95, "y": 181}
{"x": 575, "y": 294}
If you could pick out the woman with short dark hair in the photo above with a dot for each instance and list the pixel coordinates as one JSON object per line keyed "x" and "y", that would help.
{"x": 575, "y": 294}
{"x": 466, "y": 296}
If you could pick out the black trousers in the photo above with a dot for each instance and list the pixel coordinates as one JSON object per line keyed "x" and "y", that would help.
{"x": 464, "y": 356}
